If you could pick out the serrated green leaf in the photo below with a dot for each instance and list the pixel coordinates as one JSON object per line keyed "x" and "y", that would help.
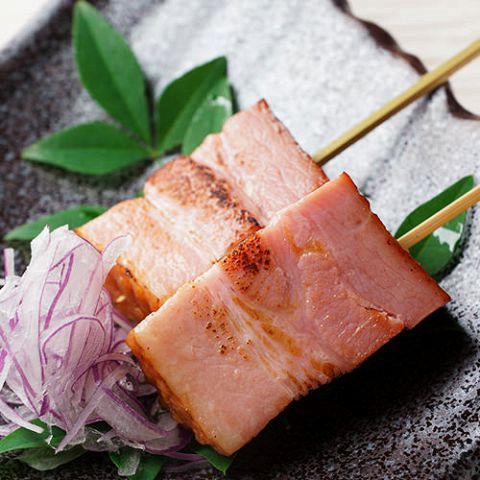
{"x": 43, "y": 459}
{"x": 181, "y": 99}
{"x": 22, "y": 438}
{"x": 73, "y": 217}
{"x": 95, "y": 148}
{"x": 220, "y": 462}
{"x": 436, "y": 251}
{"x": 210, "y": 116}
{"x": 109, "y": 70}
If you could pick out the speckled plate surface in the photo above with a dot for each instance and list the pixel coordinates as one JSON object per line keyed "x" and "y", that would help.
{"x": 411, "y": 411}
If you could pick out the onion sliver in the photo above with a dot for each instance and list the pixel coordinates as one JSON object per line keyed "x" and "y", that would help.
{"x": 63, "y": 356}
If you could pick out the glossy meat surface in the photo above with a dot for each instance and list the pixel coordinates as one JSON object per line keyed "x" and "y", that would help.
{"x": 202, "y": 210}
{"x": 200, "y": 204}
{"x": 305, "y": 299}
{"x": 158, "y": 261}
{"x": 259, "y": 157}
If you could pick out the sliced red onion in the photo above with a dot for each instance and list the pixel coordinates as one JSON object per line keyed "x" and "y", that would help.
{"x": 7, "y": 429}
{"x": 95, "y": 441}
{"x": 63, "y": 356}
{"x": 116, "y": 409}
{"x": 9, "y": 262}
{"x": 122, "y": 322}
{"x": 9, "y": 413}
{"x": 91, "y": 406}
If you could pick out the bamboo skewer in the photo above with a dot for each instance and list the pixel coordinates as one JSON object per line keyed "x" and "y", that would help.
{"x": 440, "y": 218}
{"x": 425, "y": 84}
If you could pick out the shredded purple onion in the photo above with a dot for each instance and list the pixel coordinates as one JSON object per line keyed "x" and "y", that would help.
{"x": 9, "y": 262}
{"x": 63, "y": 356}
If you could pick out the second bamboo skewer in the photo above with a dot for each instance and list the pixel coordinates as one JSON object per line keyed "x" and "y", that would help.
{"x": 425, "y": 84}
{"x": 443, "y": 216}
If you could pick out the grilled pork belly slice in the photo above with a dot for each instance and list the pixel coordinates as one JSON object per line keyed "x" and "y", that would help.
{"x": 143, "y": 277}
{"x": 205, "y": 207}
{"x": 195, "y": 221}
{"x": 261, "y": 160}
{"x": 305, "y": 299}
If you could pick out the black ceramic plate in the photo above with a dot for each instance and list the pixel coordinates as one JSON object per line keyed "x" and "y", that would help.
{"x": 412, "y": 410}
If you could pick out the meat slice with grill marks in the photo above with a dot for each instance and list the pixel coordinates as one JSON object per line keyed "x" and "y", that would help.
{"x": 305, "y": 299}
{"x": 206, "y": 205}
{"x": 201, "y": 205}
{"x": 195, "y": 219}
{"x": 261, "y": 160}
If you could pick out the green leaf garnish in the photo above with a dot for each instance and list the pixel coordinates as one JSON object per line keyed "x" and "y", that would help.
{"x": 44, "y": 459}
{"x": 123, "y": 457}
{"x": 189, "y": 108}
{"x": 220, "y": 462}
{"x": 73, "y": 217}
{"x": 109, "y": 70}
{"x": 92, "y": 148}
{"x": 38, "y": 448}
{"x": 148, "y": 467}
{"x": 210, "y": 116}
{"x": 26, "y": 439}
{"x": 436, "y": 251}
{"x": 181, "y": 99}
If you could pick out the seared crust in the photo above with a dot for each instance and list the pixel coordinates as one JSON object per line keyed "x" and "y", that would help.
{"x": 194, "y": 186}
{"x": 181, "y": 187}
{"x": 264, "y": 165}
{"x": 244, "y": 262}
{"x": 130, "y": 297}
{"x": 178, "y": 409}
